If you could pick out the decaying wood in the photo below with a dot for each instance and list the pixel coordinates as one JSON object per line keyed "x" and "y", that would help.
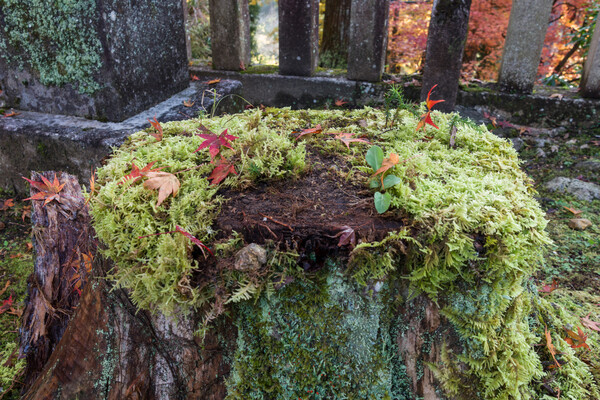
{"x": 112, "y": 350}
{"x": 61, "y": 236}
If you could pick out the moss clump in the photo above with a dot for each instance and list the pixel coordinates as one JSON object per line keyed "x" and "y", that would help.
{"x": 474, "y": 236}
{"x": 58, "y": 40}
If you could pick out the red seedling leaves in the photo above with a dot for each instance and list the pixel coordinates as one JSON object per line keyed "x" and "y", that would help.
{"x": 347, "y": 236}
{"x": 6, "y": 204}
{"x": 576, "y": 340}
{"x": 550, "y": 346}
{"x": 387, "y": 163}
{"x": 347, "y": 138}
{"x": 572, "y": 210}
{"x": 10, "y": 113}
{"x": 340, "y": 102}
{"x": 309, "y": 131}
{"x": 588, "y": 323}
{"x": 430, "y": 103}
{"x": 48, "y": 191}
{"x": 547, "y": 289}
{"x": 156, "y": 125}
{"x": 426, "y": 119}
{"x": 214, "y": 142}
{"x": 167, "y": 184}
{"x": 188, "y": 103}
{"x": 137, "y": 173}
{"x": 221, "y": 171}
{"x": 193, "y": 239}
{"x": 212, "y": 81}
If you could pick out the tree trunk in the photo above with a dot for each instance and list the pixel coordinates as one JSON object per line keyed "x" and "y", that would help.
{"x": 336, "y": 33}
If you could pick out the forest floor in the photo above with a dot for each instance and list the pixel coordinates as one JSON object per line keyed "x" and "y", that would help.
{"x": 572, "y": 262}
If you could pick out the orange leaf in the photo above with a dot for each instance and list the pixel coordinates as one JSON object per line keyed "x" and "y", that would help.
{"x": 431, "y": 103}
{"x": 550, "y": 346}
{"x": 547, "y": 289}
{"x": 347, "y": 138}
{"x": 573, "y": 211}
{"x": 212, "y": 81}
{"x": 586, "y": 321}
{"x": 6, "y": 204}
{"x": 88, "y": 260}
{"x": 221, "y": 171}
{"x": 188, "y": 103}
{"x": 576, "y": 340}
{"x": 386, "y": 164}
{"x": 137, "y": 173}
{"x": 340, "y": 102}
{"x": 48, "y": 191}
{"x": 10, "y": 113}
{"x": 156, "y": 125}
{"x": 6, "y": 285}
{"x": 310, "y": 131}
{"x": 166, "y": 184}
{"x": 195, "y": 78}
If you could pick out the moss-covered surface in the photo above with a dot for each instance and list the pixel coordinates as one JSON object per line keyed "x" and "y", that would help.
{"x": 58, "y": 40}
{"x": 474, "y": 237}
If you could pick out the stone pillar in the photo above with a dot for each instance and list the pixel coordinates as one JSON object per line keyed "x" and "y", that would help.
{"x": 523, "y": 45}
{"x": 590, "y": 79}
{"x": 100, "y": 59}
{"x": 298, "y": 37}
{"x": 445, "y": 44}
{"x": 230, "y": 34}
{"x": 368, "y": 39}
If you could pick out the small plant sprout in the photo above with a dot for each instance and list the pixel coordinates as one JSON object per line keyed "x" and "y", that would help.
{"x": 426, "y": 118}
{"x": 381, "y": 166}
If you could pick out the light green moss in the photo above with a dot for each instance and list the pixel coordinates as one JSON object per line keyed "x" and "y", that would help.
{"x": 57, "y": 39}
{"x": 473, "y": 237}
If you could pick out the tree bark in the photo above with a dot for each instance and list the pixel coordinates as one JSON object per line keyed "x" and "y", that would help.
{"x": 336, "y": 34}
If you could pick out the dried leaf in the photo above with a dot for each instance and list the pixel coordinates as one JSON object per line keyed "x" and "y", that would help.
{"x": 137, "y": 173}
{"x": 10, "y": 113}
{"x": 347, "y": 138}
{"x": 156, "y": 125}
{"x": 48, "y": 191}
{"x": 309, "y": 131}
{"x": 556, "y": 96}
{"x": 6, "y": 285}
{"x": 550, "y": 346}
{"x": 586, "y": 321}
{"x": 387, "y": 163}
{"x": 166, "y": 183}
{"x": 576, "y": 340}
{"x": 195, "y": 78}
{"x": 340, "y": 102}
{"x": 188, "y": 103}
{"x": 88, "y": 261}
{"x": 347, "y": 236}
{"x": 547, "y": 289}
{"x": 212, "y": 81}
{"x": 6, "y": 204}
{"x": 214, "y": 142}
{"x": 573, "y": 211}
{"x": 26, "y": 212}
{"x": 221, "y": 171}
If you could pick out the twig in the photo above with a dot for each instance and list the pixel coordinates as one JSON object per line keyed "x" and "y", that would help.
{"x": 269, "y": 229}
{"x": 277, "y": 222}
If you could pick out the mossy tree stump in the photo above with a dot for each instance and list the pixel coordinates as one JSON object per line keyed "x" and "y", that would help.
{"x": 309, "y": 292}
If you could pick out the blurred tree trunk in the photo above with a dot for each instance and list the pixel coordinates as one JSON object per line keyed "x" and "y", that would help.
{"x": 336, "y": 34}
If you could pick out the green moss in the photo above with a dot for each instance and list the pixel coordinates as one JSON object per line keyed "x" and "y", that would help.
{"x": 473, "y": 237}
{"x": 57, "y": 40}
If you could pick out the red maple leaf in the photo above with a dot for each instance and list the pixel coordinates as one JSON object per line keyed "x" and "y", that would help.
{"x": 156, "y": 125}
{"x": 221, "y": 171}
{"x": 588, "y": 323}
{"x": 340, "y": 102}
{"x": 6, "y": 304}
{"x": 576, "y": 340}
{"x": 547, "y": 289}
{"x": 347, "y": 138}
{"x": 48, "y": 191}
{"x": 137, "y": 173}
{"x": 213, "y": 141}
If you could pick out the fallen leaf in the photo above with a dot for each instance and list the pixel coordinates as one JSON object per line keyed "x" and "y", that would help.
{"x": 309, "y": 131}
{"x": 586, "y": 321}
{"x": 340, "y": 102}
{"x": 576, "y": 340}
{"x": 195, "y": 78}
{"x": 6, "y": 304}
{"x": 387, "y": 163}
{"x": 156, "y": 125}
{"x": 572, "y": 210}
{"x": 214, "y": 142}
{"x": 88, "y": 260}
{"x": 166, "y": 183}
{"x": 347, "y": 236}
{"x": 556, "y": 96}
{"x": 6, "y": 204}
{"x": 18, "y": 255}
{"x": 212, "y": 81}
{"x": 547, "y": 289}
{"x": 192, "y": 238}
{"x": 505, "y": 124}
{"x": 188, "y": 103}
{"x": 137, "y": 173}
{"x": 6, "y": 285}
{"x": 221, "y": 171}
{"x": 48, "y": 191}
{"x": 29, "y": 246}
{"x": 10, "y": 113}
{"x": 26, "y": 212}
{"x": 550, "y": 346}
{"x": 347, "y": 138}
